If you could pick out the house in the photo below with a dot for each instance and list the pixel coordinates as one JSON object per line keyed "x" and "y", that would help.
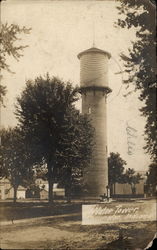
{"x": 43, "y": 194}
{"x": 125, "y": 189}
{"x": 42, "y": 184}
{"x": 21, "y": 193}
{"x": 7, "y": 191}
{"x": 57, "y": 193}
{"x": 44, "y": 187}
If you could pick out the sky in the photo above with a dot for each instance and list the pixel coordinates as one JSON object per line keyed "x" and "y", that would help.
{"x": 61, "y": 30}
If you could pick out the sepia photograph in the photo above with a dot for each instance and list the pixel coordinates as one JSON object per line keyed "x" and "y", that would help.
{"x": 78, "y": 165}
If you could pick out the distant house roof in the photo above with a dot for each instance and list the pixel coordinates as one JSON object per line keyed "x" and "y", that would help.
{"x": 94, "y": 50}
{"x": 44, "y": 191}
{"x": 41, "y": 181}
{"x": 20, "y": 188}
{"x": 4, "y": 180}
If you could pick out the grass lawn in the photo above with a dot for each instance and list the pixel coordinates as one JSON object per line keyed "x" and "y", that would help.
{"x": 67, "y": 233}
{"x": 24, "y": 210}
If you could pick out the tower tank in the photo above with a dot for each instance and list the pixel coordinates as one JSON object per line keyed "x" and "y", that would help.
{"x": 94, "y": 89}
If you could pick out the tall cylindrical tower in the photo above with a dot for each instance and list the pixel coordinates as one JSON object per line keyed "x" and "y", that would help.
{"x": 94, "y": 89}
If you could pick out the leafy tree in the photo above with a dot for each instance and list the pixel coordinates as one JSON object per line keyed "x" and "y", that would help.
{"x": 41, "y": 171}
{"x": 48, "y": 118}
{"x": 15, "y": 161}
{"x": 115, "y": 170}
{"x": 132, "y": 179}
{"x": 152, "y": 177}
{"x": 141, "y": 62}
{"x": 75, "y": 151}
{"x": 33, "y": 191}
{"x": 9, "y": 37}
{"x": 2, "y": 93}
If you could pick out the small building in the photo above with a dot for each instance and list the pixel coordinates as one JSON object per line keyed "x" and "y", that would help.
{"x": 42, "y": 184}
{"x": 124, "y": 190}
{"x": 44, "y": 187}
{"x": 57, "y": 193}
{"x": 21, "y": 193}
{"x": 43, "y": 194}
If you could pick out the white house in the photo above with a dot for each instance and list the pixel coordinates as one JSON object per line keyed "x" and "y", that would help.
{"x": 7, "y": 191}
{"x": 21, "y": 192}
{"x": 43, "y": 185}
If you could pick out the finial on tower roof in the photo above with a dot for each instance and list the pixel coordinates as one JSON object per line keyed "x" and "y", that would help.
{"x": 93, "y": 35}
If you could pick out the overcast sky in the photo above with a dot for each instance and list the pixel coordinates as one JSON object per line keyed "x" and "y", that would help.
{"x": 60, "y": 30}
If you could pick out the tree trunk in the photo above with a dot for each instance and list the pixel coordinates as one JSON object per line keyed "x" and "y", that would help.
{"x": 50, "y": 194}
{"x": 133, "y": 189}
{"x": 15, "y": 194}
{"x": 50, "y": 166}
{"x": 69, "y": 184}
{"x": 68, "y": 194}
{"x": 111, "y": 189}
{"x": 114, "y": 188}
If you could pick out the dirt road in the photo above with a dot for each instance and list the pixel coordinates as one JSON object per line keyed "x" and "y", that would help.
{"x": 68, "y": 233}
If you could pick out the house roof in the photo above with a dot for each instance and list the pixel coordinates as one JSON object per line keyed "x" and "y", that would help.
{"x": 20, "y": 188}
{"x": 44, "y": 190}
{"x": 4, "y": 180}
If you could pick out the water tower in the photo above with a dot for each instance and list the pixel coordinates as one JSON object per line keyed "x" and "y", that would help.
{"x": 94, "y": 89}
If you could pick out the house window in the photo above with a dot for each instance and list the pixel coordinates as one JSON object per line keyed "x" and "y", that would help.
{"x": 6, "y": 191}
{"x": 89, "y": 110}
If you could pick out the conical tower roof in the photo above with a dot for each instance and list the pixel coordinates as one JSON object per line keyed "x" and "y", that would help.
{"x": 94, "y": 50}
